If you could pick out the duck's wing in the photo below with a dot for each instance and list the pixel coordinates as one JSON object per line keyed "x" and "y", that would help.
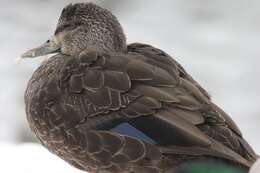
{"x": 166, "y": 62}
{"x": 141, "y": 105}
{"x": 160, "y": 59}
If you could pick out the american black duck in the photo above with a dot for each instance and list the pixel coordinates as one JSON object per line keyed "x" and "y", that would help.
{"x": 105, "y": 106}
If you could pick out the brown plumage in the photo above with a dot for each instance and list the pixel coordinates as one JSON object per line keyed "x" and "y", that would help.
{"x": 103, "y": 106}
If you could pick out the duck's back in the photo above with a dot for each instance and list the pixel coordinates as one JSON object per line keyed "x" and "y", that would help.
{"x": 136, "y": 112}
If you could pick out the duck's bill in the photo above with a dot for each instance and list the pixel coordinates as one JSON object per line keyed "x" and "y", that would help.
{"x": 45, "y": 49}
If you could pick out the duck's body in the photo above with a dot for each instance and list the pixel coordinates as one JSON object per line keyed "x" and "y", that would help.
{"x": 134, "y": 110}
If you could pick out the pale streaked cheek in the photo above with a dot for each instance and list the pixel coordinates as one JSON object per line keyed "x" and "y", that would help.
{"x": 57, "y": 39}
{"x": 72, "y": 43}
{"x": 54, "y": 40}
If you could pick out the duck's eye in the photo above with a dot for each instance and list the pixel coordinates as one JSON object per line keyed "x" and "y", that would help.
{"x": 48, "y": 41}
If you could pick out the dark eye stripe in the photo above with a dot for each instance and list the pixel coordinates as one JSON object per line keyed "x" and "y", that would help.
{"x": 62, "y": 28}
{"x": 68, "y": 26}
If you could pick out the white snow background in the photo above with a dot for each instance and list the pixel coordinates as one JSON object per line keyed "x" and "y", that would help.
{"x": 216, "y": 41}
{"x": 256, "y": 167}
{"x": 31, "y": 158}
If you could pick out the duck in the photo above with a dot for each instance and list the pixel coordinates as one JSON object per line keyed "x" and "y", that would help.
{"x": 103, "y": 105}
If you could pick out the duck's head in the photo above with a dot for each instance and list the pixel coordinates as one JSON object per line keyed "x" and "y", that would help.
{"x": 83, "y": 26}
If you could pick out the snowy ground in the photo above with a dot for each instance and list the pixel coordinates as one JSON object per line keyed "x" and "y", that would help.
{"x": 216, "y": 41}
{"x": 31, "y": 158}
